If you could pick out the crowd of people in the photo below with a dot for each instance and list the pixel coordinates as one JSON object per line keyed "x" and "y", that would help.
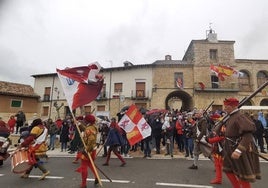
{"x": 190, "y": 133}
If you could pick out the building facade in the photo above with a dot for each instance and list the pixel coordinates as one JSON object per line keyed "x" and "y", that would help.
{"x": 17, "y": 97}
{"x": 166, "y": 84}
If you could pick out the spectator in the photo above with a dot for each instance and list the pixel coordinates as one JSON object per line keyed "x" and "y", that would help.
{"x": 147, "y": 144}
{"x": 156, "y": 132}
{"x": 258, "y": 134}
{"x": 11, "y": 124}
{"x": 20, "y": 120}
{"x": 265, "y": 126}
{"x": 64, "y": 135}
{"x": 104, "y": 129}
{"x": 179, "y": 133}
{"x": 168, "y": 128}
{"x": 188, "y": 131}
{"x": 52, "y": 131}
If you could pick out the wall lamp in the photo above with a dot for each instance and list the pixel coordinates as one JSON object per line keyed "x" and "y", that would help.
{"x": 155, "y": 88}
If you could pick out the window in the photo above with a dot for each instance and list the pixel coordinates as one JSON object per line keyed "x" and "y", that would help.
{"x": 47, "y": 93}
{"x": 102, "y": 94}
{"x": 214, "y": 81}
{"x": 16, "y": 103}
{"x": 103, "y": 91}
{"x": 45, "y": 111}
{"x": 101, "y": 108}
{"x": 118, "y": 87}
{"x": 262, "y": 77}
{"x": 244, "y": 82}
{"x": 178, "y": 78}
{"x": 87, "y": 109}
{"x": 264, "y": 102}
{"x": 140, "y": 89}
{"x": 213, "y": 54}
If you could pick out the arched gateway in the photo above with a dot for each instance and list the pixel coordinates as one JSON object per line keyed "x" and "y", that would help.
{"x": 180, "y": 100}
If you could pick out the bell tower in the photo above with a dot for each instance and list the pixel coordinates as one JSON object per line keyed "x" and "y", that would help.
{"x": 211, "y": 35}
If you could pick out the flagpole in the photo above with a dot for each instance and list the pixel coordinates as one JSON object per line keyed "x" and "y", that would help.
{"x": 84, "y": 144}
{"x": 82, "y": 75}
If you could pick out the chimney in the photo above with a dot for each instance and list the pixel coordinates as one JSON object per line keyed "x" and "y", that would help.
{"x": 168, "y": 57}
{"x": 127, "y": 64}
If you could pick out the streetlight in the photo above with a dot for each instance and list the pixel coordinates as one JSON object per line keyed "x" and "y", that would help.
{"x": 55, "y": 104}
{"x": 110, "y": 85}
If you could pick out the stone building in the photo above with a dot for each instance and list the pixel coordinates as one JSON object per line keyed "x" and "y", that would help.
{"x": 17, "y": 97}
{"x": 167, "y": 84}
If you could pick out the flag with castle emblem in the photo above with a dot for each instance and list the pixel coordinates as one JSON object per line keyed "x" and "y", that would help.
{"x": 81, "y": 85}
{"x": 135, "y": 125}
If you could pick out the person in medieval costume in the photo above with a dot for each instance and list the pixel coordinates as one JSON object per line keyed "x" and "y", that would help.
{"x": 114, "y": 141}
{"x": 241, "y": 161}
{"x": 217, "y": 150}
{"x": 200, "y": 145}
{"x": 36, "y": 144}
{"x": 4, "y": 142}
{"x": 89, "y": 137}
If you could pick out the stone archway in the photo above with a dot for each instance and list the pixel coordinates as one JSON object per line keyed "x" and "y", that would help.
{"x": 183, "y": 99}
{"x": 264, "y": 102}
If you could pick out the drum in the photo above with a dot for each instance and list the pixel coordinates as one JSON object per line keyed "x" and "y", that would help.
{"x": 20, "y": 161}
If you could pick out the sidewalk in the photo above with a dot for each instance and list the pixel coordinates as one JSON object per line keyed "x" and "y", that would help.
{"x": 137, "y": 154}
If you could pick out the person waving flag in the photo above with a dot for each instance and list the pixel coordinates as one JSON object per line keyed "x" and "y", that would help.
{"x": 81, "y": 85}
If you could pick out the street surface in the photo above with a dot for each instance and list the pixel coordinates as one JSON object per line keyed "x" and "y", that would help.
{"x": 138, "y": 173}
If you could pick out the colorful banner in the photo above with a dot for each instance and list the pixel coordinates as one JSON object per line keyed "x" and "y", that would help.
{"x": 135, "y": 125}
{"x": 81, "y": 85}
{"x": 221, "y": 71}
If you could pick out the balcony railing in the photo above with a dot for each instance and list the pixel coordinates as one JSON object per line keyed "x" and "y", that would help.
{"x": 102, "y": 96}
{"x": 139, "y": 94}
{"x": 215, "y": 87}
{"x": 46, "y": 98}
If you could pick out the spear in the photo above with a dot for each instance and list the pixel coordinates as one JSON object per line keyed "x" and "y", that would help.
{"x": 220, "y": 123}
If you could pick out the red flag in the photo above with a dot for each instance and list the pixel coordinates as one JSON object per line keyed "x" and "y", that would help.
{"x": 179, "y": 82}
{"x": 81, "y": 85}
{"x": 135, "y": 125}
{"x": 202, "y": 85}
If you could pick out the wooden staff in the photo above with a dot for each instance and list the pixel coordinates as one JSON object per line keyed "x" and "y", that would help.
{"x": 104, "y": 174}
{"x": 88, "y": 154}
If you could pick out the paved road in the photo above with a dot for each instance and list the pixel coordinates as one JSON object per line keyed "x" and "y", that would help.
{"x": 161, "y": 172}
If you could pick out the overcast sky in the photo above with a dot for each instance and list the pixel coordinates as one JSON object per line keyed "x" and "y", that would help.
{"x": 38, "y": 36}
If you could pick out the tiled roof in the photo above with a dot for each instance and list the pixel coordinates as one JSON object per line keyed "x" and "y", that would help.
{"x": 15, "y": 89}
{"x": 170, "y": 62}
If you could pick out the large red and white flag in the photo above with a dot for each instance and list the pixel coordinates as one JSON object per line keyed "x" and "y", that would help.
{"x": 81, "y": 85}
{"x": 135, "y": 125}
{"x": 221, "y": 71}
